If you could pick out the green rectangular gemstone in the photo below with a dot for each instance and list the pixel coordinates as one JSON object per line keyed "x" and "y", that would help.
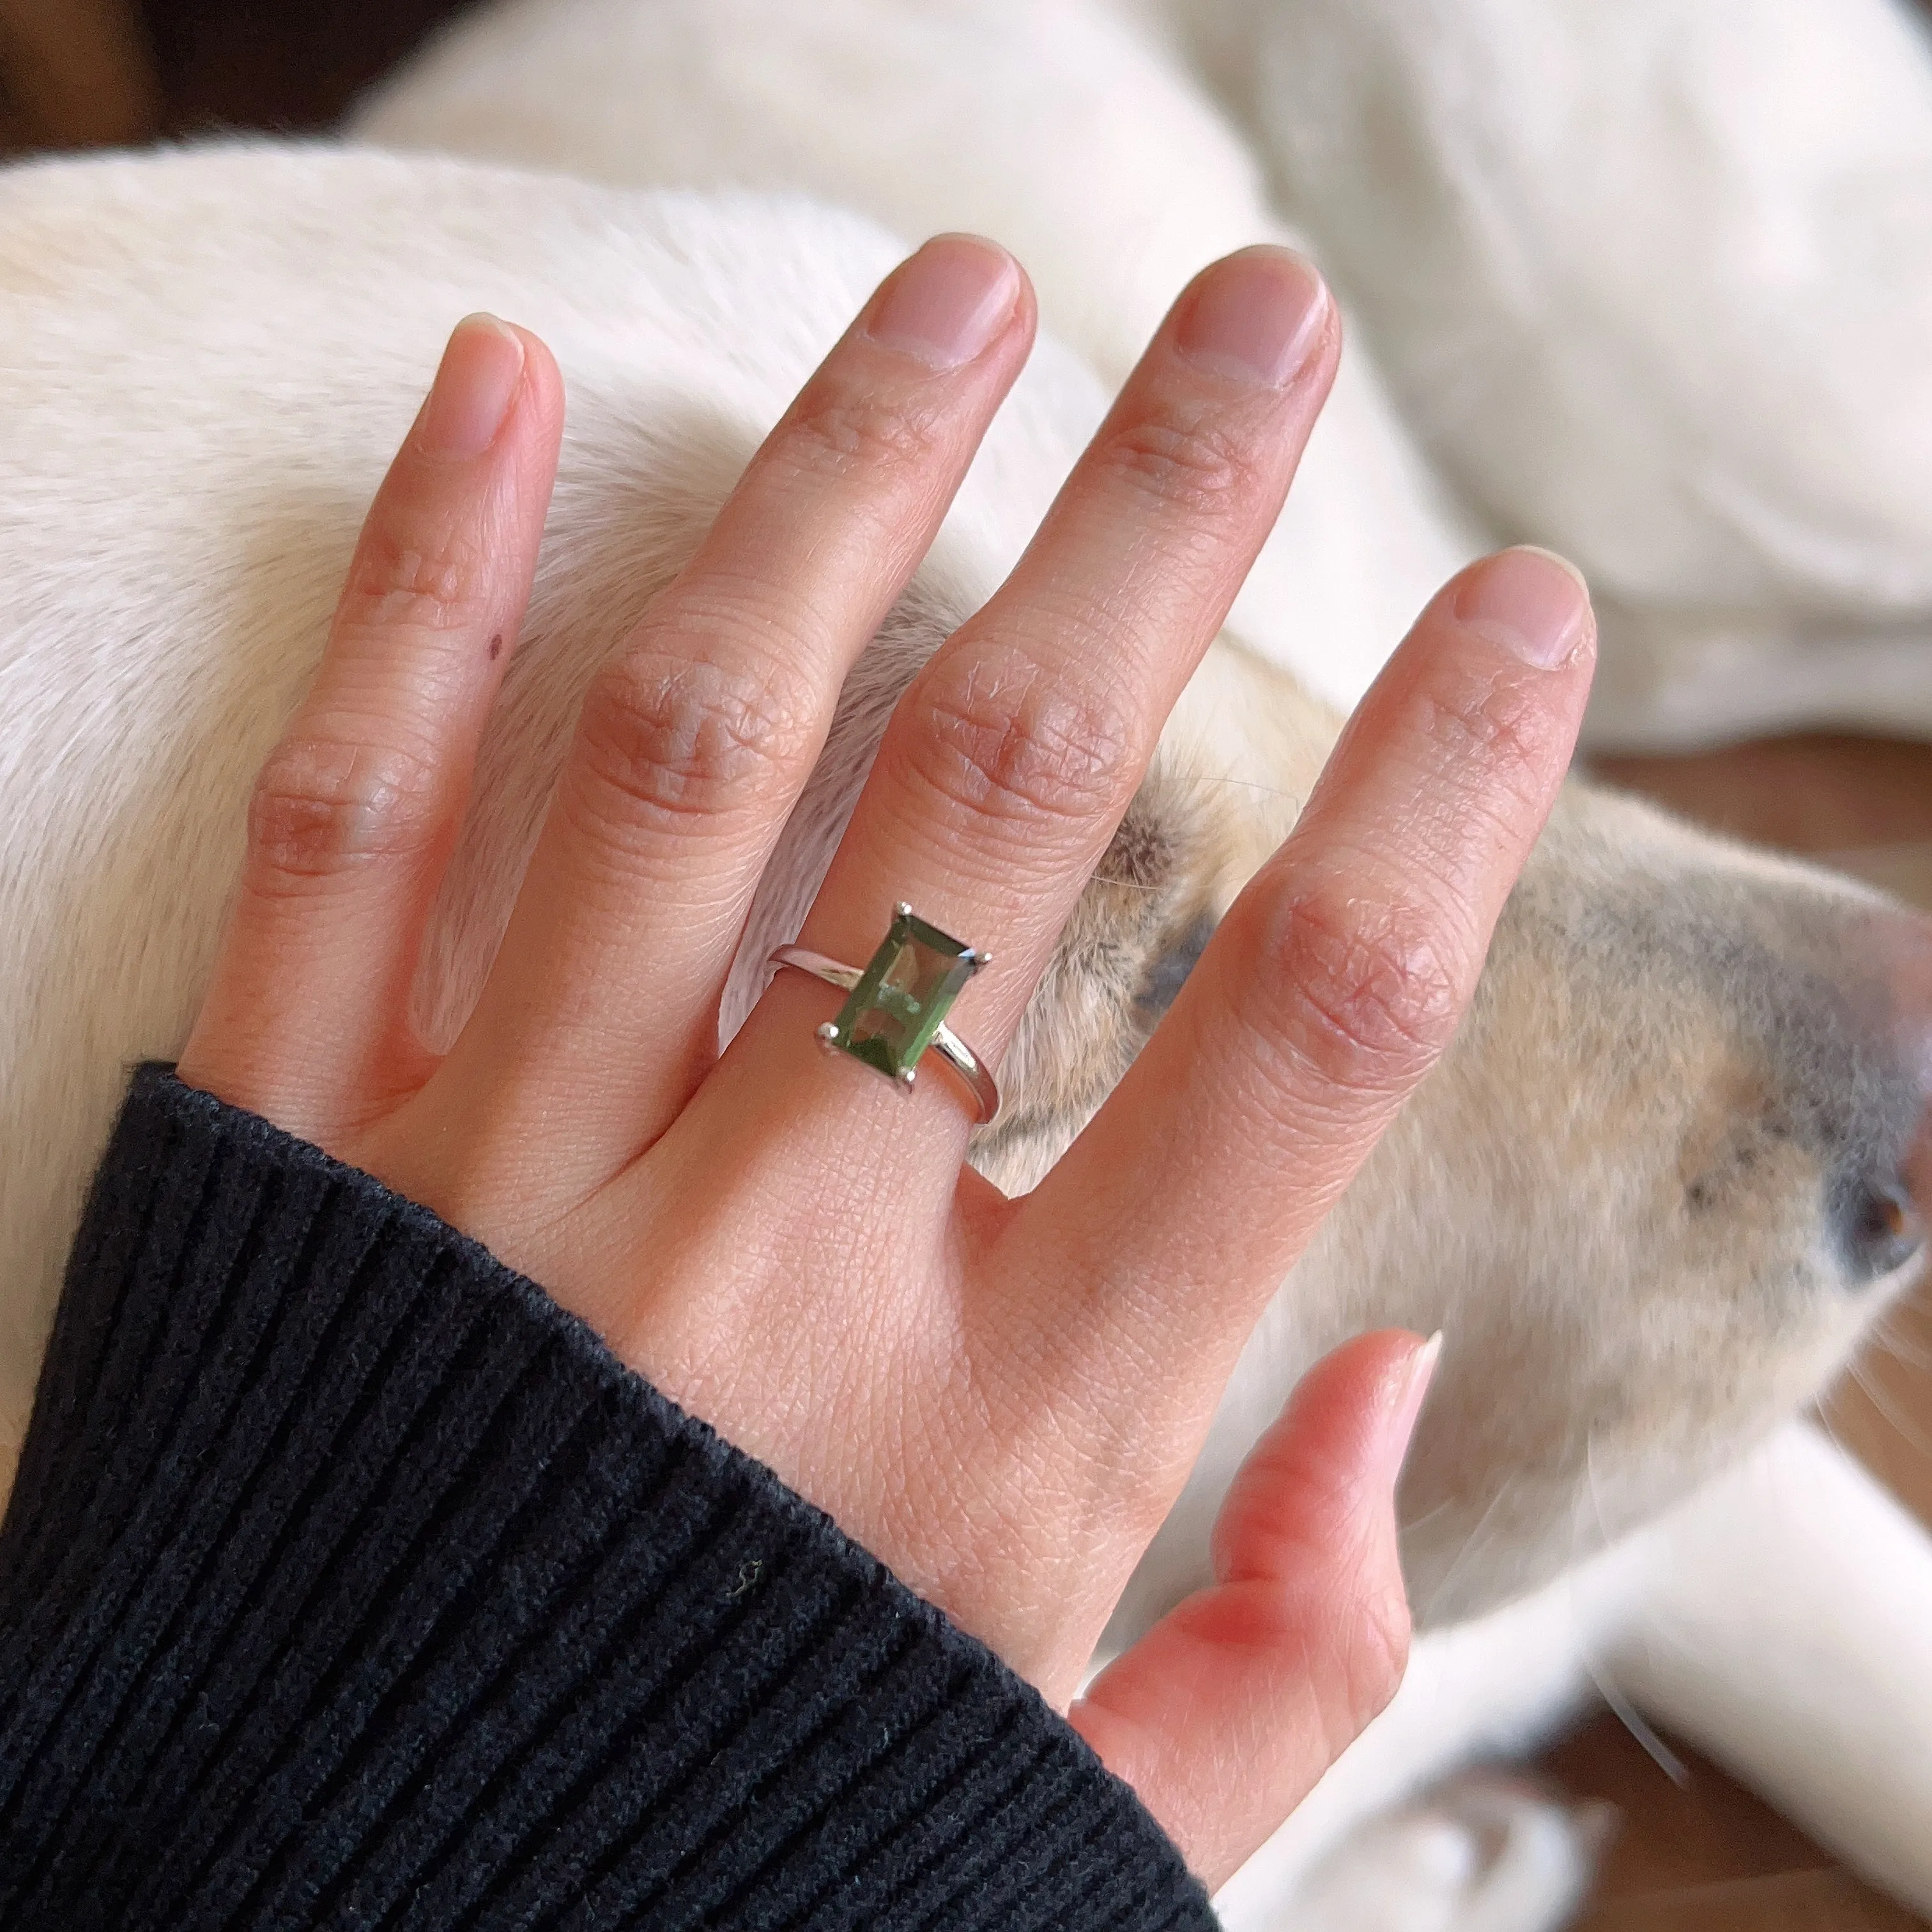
{"x": 890, "y": 1016}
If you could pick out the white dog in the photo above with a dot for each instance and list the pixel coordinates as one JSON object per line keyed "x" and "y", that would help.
{"x": 1651, "y": 1196}
{"x": 1650, "y": 283}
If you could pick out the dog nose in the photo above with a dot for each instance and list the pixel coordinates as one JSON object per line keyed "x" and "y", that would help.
{"x": 1880, "y": 1229}
{"x": 1880, "y": 1214}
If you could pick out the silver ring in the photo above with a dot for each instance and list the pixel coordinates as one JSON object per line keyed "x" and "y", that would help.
{"x": 896, "y": 1003}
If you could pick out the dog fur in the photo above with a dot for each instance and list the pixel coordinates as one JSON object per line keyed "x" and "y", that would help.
{"x": 1619, "y": 1196}
{"x": 1648, "y": 284}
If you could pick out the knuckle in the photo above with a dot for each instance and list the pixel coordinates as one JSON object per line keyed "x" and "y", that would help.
{"x": 1376, "y": 1653}
{"x": 321, "y": 807}
{"x": 1014, "y": 747}
{"x": 1357, "y": 1611}
{"x": 667, "y": 738}
{"x": 838, "y": 429}
{"x": 1488, "y": 731}
{"x": 1362, "y": 992}
{"x": 1195, "y": 467}
{"x": 426, "y": 581}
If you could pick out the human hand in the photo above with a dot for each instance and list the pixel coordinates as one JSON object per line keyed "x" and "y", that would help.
{"x": 986, "y": 1393}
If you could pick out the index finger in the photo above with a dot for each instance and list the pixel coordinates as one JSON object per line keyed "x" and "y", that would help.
{"x": 1334, "y": 984}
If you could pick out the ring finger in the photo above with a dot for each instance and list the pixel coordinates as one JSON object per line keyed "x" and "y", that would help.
{"x": 697, "y": 739}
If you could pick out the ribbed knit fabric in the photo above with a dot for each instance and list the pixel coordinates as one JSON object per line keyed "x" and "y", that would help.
{"x": 349, "y": 1582}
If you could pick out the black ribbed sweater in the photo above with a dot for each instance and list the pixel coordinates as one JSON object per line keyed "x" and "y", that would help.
{"x": 348, "y": 1581}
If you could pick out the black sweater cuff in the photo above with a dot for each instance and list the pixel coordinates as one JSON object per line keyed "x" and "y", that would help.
{"x": 348, "y": 1581}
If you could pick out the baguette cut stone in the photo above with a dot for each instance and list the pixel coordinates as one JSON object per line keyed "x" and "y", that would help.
{"x": 890, "y": 1016}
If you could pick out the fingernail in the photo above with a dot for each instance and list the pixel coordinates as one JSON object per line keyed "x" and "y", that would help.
{"x": 1406, "y": 1410}
{"x": 1530, "y": 602}
{"x": 470, "y": 399}
{"x": 948, "y": 303}
{"x": 1257, "y": 317}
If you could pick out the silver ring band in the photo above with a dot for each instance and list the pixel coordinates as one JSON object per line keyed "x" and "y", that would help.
{"x": 947, "y": 1044}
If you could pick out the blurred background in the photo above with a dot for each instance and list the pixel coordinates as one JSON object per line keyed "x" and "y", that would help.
{"x": 1696, "y": 1855}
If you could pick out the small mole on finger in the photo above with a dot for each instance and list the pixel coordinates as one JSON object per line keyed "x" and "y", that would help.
{"x": 495, "y": 647}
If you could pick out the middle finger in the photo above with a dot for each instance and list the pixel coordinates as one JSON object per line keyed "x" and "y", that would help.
{"x": 1008, "y": 763}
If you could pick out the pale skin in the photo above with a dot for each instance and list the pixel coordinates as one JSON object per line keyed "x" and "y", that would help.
{"x": 1000, "y": 1398}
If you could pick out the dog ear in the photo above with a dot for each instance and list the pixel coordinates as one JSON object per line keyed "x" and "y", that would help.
{"x": 1189, "y": 845}
{"x": 1147, "y": 915}
{"x": 1178, "y": 858}
{"x": 1167, "y": 971}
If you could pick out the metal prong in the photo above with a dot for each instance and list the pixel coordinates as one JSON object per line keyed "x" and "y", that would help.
{"x": 978, "y": 957}
{"x": 828, "y": 1034}
{"x": 904, "y": 911}
{"x": 908, "y": 1075}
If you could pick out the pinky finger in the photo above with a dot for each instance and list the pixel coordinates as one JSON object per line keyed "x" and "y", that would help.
{"x": 354, "y": 815}
{"x": 1225, "y": 1715}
